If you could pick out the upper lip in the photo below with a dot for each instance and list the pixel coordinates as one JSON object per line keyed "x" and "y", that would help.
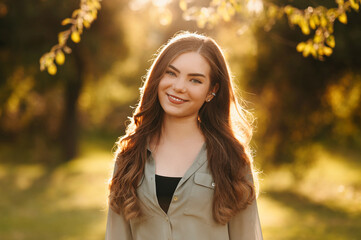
{"x": 176, "y": 97}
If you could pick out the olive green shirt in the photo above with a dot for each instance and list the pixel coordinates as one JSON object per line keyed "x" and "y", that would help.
{"x": 190, "y": 212}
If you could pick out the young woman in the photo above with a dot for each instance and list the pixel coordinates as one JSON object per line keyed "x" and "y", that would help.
{"x": 183, "y": 170}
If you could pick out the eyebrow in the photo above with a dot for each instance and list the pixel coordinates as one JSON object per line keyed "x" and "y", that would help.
{"x": 190, "y": 74}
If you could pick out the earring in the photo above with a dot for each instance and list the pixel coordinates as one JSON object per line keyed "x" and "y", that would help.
{"x": 210, "y": 97}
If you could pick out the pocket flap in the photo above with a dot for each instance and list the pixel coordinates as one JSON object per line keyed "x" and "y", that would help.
{"x": 204, "y": 179}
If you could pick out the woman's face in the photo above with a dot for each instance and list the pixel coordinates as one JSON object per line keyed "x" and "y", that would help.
{"x": 185, "y": 86}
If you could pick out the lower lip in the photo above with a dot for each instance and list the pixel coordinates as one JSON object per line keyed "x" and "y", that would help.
{"x": 175, "y": 101}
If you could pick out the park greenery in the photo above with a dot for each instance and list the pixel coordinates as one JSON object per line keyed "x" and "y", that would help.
{"x": 57, "y": 131}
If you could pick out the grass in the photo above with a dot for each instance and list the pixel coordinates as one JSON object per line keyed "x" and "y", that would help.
{"x": 68, "y": 201}
{"x": 64, "y": 202}
{"x": 325, "y": 203}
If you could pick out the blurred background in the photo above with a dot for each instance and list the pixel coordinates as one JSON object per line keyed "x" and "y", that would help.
{"x": 57, "y": 132}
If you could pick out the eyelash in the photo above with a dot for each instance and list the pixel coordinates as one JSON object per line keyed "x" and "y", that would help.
{"x": 174, "y": 75}
{"x": 170, "y": 73}
{"x": 196, "y": 81}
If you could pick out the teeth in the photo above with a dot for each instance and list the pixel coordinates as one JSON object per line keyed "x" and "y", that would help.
{"x": 176, "y": 99}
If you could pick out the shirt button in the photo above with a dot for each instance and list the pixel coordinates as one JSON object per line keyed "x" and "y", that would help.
{"x": 213, "y": 184}
{"x": 175, "y": 198}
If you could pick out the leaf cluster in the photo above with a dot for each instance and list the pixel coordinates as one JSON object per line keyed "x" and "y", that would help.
{"x": 82, "y": 17}
{"x": 318, "y": 21}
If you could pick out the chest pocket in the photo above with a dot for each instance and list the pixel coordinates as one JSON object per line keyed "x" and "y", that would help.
{"x": 199, "y": 204}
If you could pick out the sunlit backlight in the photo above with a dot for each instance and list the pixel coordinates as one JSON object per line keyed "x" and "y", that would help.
{"x": 136, "y": 5}
{"x": 161, "y": 3}
{"x": 255, "y": 6}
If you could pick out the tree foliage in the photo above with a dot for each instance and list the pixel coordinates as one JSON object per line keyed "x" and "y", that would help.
{"x": 82, "y": 17}
{"x": 315, "y": 21}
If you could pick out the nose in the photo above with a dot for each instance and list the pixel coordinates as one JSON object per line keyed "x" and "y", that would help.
{"x": 179, "y": 85}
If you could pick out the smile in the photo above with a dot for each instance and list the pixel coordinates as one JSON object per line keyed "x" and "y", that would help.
{"x": 175, "y": 99}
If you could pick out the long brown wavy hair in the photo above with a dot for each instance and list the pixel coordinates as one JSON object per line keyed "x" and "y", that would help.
{"x": 224, "y": 124}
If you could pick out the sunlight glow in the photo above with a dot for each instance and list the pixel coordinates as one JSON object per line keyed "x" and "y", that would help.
{"x": 161, "y": 3}
{"x": 136, "y": 5}
{"x": 255, "y": 6}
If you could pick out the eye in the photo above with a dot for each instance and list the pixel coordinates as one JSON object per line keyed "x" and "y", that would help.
{"x": 194, "y": 80}
{"x": 171, "y": 73}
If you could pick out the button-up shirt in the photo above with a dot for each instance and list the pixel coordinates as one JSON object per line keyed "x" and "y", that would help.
{"x": 190, "y": 212}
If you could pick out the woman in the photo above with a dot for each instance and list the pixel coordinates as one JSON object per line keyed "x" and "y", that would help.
{"x": 181, "y": 172}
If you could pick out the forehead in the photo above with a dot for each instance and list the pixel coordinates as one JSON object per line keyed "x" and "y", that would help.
{"x": 191, "y": 62}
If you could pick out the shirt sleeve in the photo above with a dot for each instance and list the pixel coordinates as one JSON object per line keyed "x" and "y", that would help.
{"x": 246, "y": 224}
{"x": 117, "y": 227}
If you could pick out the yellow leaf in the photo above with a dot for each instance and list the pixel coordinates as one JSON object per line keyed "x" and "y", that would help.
{"x": 340, "y": 2}
{"x": 60, "y": 58}
{"x": 316, "y": 19}
{"x": 300, "y": 47}
{"x": 288, "y": 10}
{"x": 86, "y": 24}
{"x": 312, "y": 23}
{"x": 94, "y": 14}
{"x": 96, "y": 4}
{"x": 331, "y": 41}
{"x": 295, "y": 19}
{"x": 183, "y": 5}
{"x": 67, "y": 21}
{"x": 61, "y": 38}
{"x": 317, "y": 38}
{"x": 354, "y": 5}
{"x": 343, "y": 18}
{"x": 330, "y": 29}
{"x": 320, "y": 51}
{"x": 307, "y": 50}
{"x": 75, "y": 13}
{"x": 327, "y": 51}
{"x": 52, "y": 69}
{"x": 323, "y": 21}
{"x": 313, "y": 52}
{"x": 75, "y": 36}
{"x": 305, "y": 29}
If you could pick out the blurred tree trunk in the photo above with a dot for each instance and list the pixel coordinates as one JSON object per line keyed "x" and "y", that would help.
{"x": 69, "y": 127}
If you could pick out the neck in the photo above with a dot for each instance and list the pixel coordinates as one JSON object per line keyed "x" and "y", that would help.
{"x": 179, "y": 130}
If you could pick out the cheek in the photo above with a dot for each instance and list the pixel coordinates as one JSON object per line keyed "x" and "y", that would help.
{"x": 199, "y": 94}
{"x": 163, "y": 84}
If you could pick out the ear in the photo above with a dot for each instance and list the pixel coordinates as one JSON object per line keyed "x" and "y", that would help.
{"x": 212, "y": 92}
{"x": 215, "y": 88}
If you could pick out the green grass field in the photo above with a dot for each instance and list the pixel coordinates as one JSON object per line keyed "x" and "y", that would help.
{"x": 68, "y": 201}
